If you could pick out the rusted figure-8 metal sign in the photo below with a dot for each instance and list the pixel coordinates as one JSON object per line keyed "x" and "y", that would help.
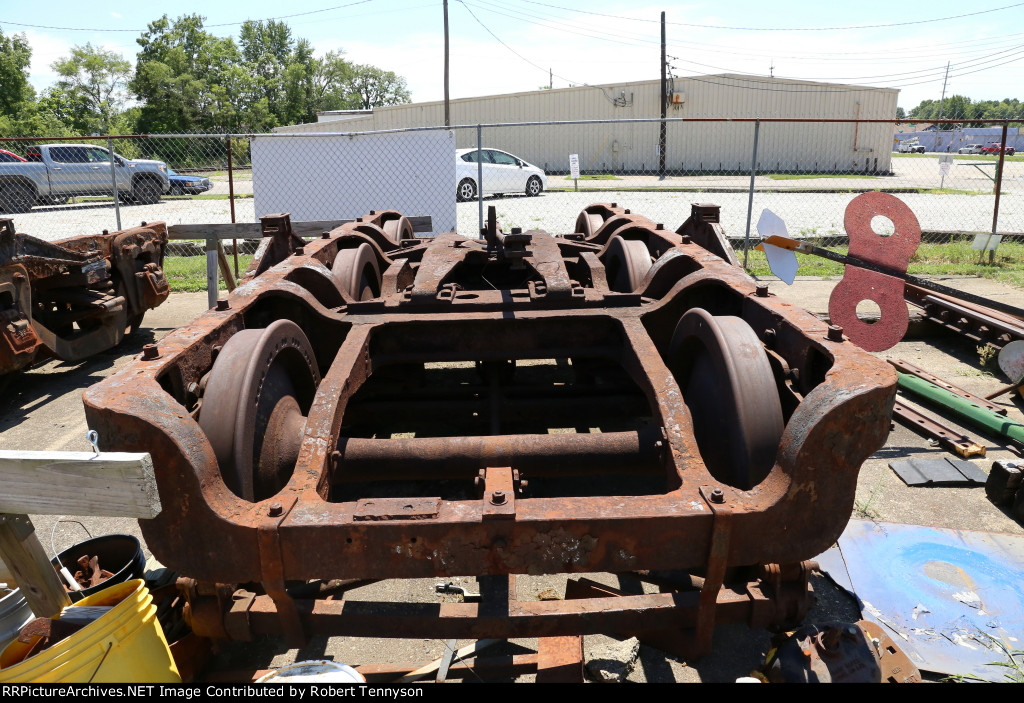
{"x": 370, "y": 405}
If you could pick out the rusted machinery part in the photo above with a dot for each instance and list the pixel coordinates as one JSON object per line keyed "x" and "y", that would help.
{"x": 19, "y": 343}
{"x": 626, "y": 262}
{"x": 357, "y": 273}
{"x": 728, "y": 384}
{"x": 593, "y": 217}
{"x": 398, "y": 229}
{"x": 859, "y": 285}
{"x": 259, "y": 391}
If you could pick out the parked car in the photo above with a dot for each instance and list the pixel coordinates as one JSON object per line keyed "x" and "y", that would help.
{"x": 996, "y": 147}
{"x": 191, "y": 185}
{"x": 502, "y": 173}
{"x": 971, "y": 149}
{"x": 55, "y": 171}
{"x": 7, "y": 157}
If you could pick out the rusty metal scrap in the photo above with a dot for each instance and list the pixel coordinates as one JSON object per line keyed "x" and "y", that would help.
{"x": 76, "y": 297}
{"x": 367, "y": 405}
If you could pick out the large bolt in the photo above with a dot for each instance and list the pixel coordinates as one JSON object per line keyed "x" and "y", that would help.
{"x": 275, "y": 510}
{"x": 762, "y": 290}
{"x": 325, "y": 235}
{"x": 685, "y": 239}
{"x": 498, "y": 497}
{"x": 222, "y": 304}
{"x": 717, "y": 496}
{"x": 659, "y": 226}
{"x": 299, "y": 251}
{"x": 835, "y": 333}
{"x": 150, "y": 352}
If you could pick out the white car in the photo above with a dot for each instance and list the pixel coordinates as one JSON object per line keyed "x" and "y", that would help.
{"x": 502, "y": 173}
{"x": 970, "y": 149}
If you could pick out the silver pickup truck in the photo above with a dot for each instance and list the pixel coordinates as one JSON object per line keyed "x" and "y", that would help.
{"x": 55, "y": 172}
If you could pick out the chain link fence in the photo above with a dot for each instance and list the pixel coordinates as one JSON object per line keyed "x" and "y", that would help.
{"x": 805, "y": 171}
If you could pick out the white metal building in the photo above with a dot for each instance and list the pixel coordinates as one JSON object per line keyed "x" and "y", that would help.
{"x": 690, "y": 146}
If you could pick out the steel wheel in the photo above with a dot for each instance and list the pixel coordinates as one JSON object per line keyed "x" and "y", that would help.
{"x": 587, "y": 224}
{"x": 626, "y": 262}
{"x": 254, "y": 407}
{"x": 398, "y": 229}
{"x": 728, "y": 385}
{"x": 356, "y": 272}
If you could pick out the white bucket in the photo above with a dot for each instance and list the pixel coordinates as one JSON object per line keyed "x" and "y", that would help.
{"x": 313, "y": 671}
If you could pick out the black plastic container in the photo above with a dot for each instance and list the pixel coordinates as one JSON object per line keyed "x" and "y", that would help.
{"x": 119, "y": 554}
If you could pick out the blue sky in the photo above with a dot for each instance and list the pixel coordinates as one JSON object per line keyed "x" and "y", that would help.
{"x": 501, "y": 46}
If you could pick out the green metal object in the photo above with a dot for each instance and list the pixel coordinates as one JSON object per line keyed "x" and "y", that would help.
{"x": 963, "y": 408}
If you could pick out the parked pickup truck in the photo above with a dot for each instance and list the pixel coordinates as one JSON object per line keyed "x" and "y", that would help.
{"x": 53, "y": 172}
{"x": 910, "y": 146}
{"x": 996, "y": 147}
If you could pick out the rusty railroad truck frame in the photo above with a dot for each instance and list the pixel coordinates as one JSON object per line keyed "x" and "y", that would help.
{"x": 623, "y": 398}
{"x": 76, "y": 297}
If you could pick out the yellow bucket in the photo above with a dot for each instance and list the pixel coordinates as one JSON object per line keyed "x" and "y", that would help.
{"x": 124, "y": 645}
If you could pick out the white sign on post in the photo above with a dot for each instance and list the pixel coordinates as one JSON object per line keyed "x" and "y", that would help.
{"x": 574, "y": 166}
{"x": 945, "y": 162}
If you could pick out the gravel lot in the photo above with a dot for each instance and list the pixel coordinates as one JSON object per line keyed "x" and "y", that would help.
{"x": 805, "y": 213}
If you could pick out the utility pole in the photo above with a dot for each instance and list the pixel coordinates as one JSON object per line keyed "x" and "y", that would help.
{"x": 942, "y": 100}
{"x": 551, "y": 79}
{"x": 664, "y": 104}
{"x": 447, "y": 114}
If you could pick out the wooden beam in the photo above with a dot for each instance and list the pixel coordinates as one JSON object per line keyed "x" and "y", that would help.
{"x": 111, "y": 484}
{"x": 28, "y": 561}
{"x": 252, "y": 230}
{"x": 247, "y": 230}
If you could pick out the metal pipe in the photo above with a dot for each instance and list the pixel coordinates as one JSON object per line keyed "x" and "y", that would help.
{"x": 113, "y": 183}
{"x": 231, "y": 200}
{"x": 750, "y": 196}
{"x": 292, "y": 135}
{"x": 461, "y": 457}
{"x": 964, "y": 409}
{"x": 480, "y": 178}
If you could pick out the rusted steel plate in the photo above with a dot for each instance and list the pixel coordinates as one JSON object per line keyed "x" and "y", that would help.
{"x": 447, "y": 370}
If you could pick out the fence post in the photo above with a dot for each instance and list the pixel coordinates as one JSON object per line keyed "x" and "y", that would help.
{"x": 231, "y": 200}
{"x": 211, "y": 271}
{"x": 999, "y": 188}
{"x": 750, "y": 196}
{"x": 479, "y": 180}
{"x": 113, "y": 182}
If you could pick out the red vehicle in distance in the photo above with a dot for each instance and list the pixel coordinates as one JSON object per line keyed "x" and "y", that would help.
{"x": 996, "y": 147}
{"x": 9, "y": 157}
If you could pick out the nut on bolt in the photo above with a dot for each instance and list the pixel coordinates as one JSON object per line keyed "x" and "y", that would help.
{"x": 149, "y": 352}
{"x": 275, "y": 510}
{"x": 717, "y": 496}
{"x": 222, "y": 304}
{"x": 835, "y": 333}
{"x": 762, "y": 290}
{"x": 498, "y": 497}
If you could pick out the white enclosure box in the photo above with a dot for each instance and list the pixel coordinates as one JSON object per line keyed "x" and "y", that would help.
{"x": 339, "y": 177}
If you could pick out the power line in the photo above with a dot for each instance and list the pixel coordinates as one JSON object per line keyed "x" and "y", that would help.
{"x": 221, "y": 24}
{"x": 498, "y": 39}
{"x": 781, "y": 29}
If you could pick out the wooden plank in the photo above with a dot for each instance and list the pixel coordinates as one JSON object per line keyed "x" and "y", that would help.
{"x": 248, "y": 230}
{"x": 28, "y": 561}
{"x": 225, "y": 268}
{"x": 111, "y": 484}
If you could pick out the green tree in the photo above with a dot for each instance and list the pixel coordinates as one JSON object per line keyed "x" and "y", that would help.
{"x": 94, "y": 80}
{"x": 374, "y": 87}
{"x": 15, "y": 58}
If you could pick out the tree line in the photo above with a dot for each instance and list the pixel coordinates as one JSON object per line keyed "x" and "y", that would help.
{"x": 959, "y": 107}
{"x": 187, "y": 80}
